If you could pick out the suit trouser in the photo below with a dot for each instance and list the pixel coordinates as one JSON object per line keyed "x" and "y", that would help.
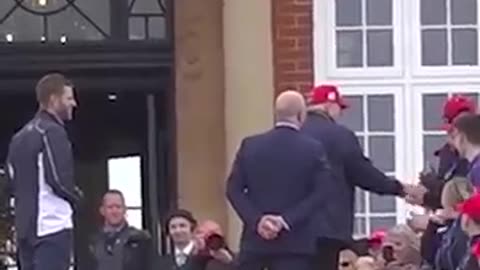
{"x": 328, "y": 251}
{"x": 275, "y": 262}
{"x": 50, "y": 252}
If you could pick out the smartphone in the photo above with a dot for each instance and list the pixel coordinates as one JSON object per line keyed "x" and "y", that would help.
{"x": 387, "y": 254}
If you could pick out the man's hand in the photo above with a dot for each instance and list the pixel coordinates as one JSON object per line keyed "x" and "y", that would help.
{"x": 270, "y": 225}
{"x": 414, "y": 194}
{"x": 222, "y": 255}
{"x": 418, "y": 223}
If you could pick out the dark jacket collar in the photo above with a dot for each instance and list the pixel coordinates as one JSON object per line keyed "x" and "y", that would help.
{"x": 322, "y": 115}
{"x": 47, "y": 115}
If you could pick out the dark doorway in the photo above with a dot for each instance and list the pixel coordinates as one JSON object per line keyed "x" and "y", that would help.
{"x": 113, "y": 135}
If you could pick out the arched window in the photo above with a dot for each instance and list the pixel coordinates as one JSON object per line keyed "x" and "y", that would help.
{"x": 81, "y": 20}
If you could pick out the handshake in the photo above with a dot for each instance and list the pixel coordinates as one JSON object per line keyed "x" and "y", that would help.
{"x": 270, "y": 226}
{"x": 414, "y": 193}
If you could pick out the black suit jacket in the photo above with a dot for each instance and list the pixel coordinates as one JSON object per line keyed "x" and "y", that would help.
{"x": 167, "y": 262}
{"x": 279, "y": 172}
{"x": 351, "y": 169}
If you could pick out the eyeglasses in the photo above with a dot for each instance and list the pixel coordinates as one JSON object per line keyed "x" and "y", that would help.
{"x": 345, "y": 264}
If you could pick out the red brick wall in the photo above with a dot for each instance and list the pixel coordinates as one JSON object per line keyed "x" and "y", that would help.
{"x": 292, "y": 44}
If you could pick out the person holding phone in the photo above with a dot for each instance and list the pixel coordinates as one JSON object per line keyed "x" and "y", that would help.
{"x": 400, "y": 250}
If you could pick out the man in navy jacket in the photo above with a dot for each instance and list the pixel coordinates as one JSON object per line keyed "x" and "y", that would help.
{"x": 40, "y": 165}
{"x": 350, "y": 168}
{"x": 278, "y": 181}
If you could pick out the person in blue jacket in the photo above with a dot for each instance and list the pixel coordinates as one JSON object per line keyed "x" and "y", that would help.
{"x": 450, "y": 164}
{"x": 350, "y": 168}
{"x": 466, "y": 139}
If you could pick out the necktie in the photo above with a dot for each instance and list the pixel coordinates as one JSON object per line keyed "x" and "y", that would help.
{"x": 181, "y": 259}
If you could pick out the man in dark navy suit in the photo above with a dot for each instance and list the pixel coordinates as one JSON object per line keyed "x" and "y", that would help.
{"x": 350, "y": 168}
{"x": 278, "y": 180}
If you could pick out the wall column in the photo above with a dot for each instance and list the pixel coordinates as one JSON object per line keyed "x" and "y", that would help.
{"x": 249, "y": 86}
{"x": 199, "y": 98}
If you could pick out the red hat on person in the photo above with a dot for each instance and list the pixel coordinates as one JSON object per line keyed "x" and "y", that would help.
{"x": 377, "y": 237}
{"x": 327, "y": 93}
{"x": 471, "y": 207}
{"x": 453, "y": 107}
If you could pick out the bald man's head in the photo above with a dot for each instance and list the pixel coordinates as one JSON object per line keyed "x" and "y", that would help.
{"x": 290, "y": 107}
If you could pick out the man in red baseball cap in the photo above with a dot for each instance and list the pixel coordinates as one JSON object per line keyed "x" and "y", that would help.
{"x": 450, "y": 164}
{"x": 456, "y": 106}
{"x": 350, "y": 168}
{"x": 470, "y": 221}
{"x": 327, "y": 99}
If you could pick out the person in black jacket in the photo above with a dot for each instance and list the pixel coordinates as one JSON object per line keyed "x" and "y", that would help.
{"x": 40, "y": 165}
{"x": 278, "y": 181}
{"x": 450, "y": 164}
{"x": 351, "y": 169}
{"x": 119, "y": 246}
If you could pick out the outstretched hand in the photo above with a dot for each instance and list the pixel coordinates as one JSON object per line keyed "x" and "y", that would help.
{"x": 414, "y": 193}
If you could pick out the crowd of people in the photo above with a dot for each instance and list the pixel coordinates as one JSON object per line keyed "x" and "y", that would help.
{"x": 292, "y": 186}
{"x": 297, "y": 181}
{"x": 446, "y": 236}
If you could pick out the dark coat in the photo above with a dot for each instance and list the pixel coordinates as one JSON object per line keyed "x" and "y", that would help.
{"x": 45, "y": 135}
{"x": 351, "y": 169}
{"x": 128, "y": 249}
{"x": 279, "y": 172}
{"x": 450, "y": 165}
{"x": 195, "y": 262}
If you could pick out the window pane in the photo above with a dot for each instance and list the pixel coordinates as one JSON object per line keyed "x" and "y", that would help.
{"x": 23, "y": 26}
{"x": 360, "y": 228}
{"x": 5, "y": 7}
{"x": 464, "y": 11}
{"x": 348, "y": 12}
{"x": 382, "y": 223}
{"x": 50, "y": 6}
{"x": 434, "y": 47}
{"x": 134, "y": 218}
{"x": 432, "y": 143}
{"x": 98, "y": 11}
{"x": 359, "y": 201}
{"x": 382, "y": 152}
{"x": 380, "y": 113}
{"x": 464, "y": 46}
{"x": 73, "y": 25}
{"x": 136, "y": 27}
{"x": 432, "y": 105}
{"x": 349, "y": 48}
{"x": 124, "y": 174}
{"x": 433, "y": 12}
{"x": 156, "y": 28}
{"x": 382, "y": 204}
{"x": 353, "y": 117}
{"x": 379, "y": 12}
{"x": 147, "y": 7}
{"x": 380, "y": 48}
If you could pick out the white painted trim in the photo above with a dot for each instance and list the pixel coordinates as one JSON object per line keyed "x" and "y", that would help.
{"x": 364, "y": 72}
{"x": 440, "y": 71}
{"x": 398, "y": 133}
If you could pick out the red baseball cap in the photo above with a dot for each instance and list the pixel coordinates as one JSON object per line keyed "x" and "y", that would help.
{"x": 377, "y": 237}
{"x": 327, "y": 93}
{"x": 471, "y": 207}
{"x": 453, "y": 107}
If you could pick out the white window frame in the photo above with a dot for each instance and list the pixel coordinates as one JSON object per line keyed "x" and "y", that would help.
{"x": 418, "y": 132}
{"x": 133, "y": 175}
{"x": 324, "y": 14}
{"x": 436, "y": 71}
{"x": 399, "y": 134}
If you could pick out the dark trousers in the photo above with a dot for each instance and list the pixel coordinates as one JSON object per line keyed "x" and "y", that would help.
{"x": 51, "y": 252}
{"x": 328, "y": 251}
{"x": 275, "y": 262}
